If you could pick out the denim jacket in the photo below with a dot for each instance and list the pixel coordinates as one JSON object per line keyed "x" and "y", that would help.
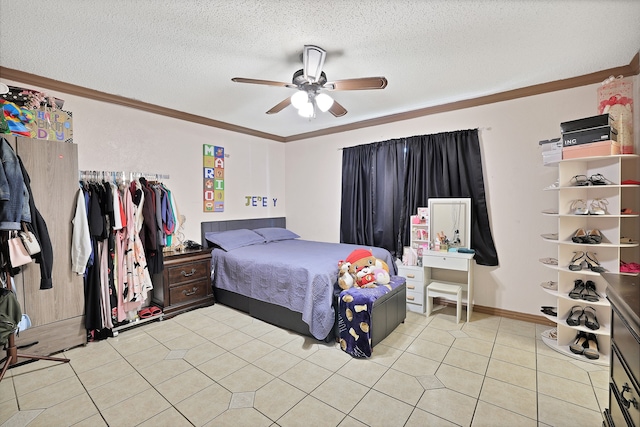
{"x": 14, "y": 196}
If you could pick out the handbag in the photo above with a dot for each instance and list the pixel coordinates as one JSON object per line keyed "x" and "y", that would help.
{"x": 29, "y": 240}
{"x": 17, "y": 252}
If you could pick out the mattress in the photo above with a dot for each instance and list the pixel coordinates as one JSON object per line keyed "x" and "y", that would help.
{"x": 300, "y": 275}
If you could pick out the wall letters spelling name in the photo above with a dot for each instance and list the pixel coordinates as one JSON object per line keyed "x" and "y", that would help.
{"x": 213, "y": 178}
{"x": 261, "y": 201}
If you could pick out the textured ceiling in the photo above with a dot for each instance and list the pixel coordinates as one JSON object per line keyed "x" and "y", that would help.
{"x": 183, "y": 54}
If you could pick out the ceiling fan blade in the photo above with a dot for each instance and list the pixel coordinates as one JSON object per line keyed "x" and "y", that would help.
{"x": 337, "y": 110}
{"x": 280, "y": 106}
{"x": 357, "y": 84}
{"x": 263, "y": 82}
{"x": 313, "y": 59}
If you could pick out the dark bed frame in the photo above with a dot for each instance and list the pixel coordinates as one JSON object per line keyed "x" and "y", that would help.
{"x": 390, "y": 309}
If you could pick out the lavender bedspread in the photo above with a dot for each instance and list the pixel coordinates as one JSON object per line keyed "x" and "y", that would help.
{"x": 355, "y": 309}
{"x": 297, "y": 274}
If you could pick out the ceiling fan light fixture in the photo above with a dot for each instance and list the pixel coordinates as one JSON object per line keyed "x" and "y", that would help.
{"x": 324, "y": 102}
{"x": 306, "y": 110}
{"x": 299, "y": 99}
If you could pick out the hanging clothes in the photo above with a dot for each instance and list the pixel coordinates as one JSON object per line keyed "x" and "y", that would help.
{"x": 81, "y": 239}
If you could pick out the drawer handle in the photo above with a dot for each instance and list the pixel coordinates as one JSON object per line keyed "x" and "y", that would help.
{"x": 411, "y": 287}
{"x": 191, "y": 292}
{"x": 411, "y": 276}
{"x": 185, "y": 274}
{"x": 410, "y": 297}
{"x": 625, "y": 402}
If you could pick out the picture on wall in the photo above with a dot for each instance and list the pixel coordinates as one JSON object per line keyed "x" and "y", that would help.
{"x": 213, "y": 178}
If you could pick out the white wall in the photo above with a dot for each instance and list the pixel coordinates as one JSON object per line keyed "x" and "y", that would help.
{"x": 514, "y": 180}
{"x": 308, "y": 172}
{"x": 116, "y": 138}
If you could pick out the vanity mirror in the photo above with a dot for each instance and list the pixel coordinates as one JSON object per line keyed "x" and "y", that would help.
{"x": 451, "y": 217}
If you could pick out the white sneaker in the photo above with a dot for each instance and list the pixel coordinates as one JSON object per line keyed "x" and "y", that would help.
{"x": 550, "y": 285}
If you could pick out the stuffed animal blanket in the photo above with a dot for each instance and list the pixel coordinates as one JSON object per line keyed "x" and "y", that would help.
{"x": 355, "y": 309}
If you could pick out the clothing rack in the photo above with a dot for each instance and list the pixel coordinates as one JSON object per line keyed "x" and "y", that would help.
{"x": 12, "y": 350}
{"x": 119, "y": 176}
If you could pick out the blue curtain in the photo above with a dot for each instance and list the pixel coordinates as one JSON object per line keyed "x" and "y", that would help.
{"x": 384, "y": 183}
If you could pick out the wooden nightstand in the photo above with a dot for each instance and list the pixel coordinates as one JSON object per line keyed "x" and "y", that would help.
{"x": 185, "y": 283}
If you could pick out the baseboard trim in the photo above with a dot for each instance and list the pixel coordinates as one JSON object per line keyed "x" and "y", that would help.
{"x": 541, "y": 320}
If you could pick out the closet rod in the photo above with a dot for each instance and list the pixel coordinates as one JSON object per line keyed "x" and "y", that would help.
{"x": 96, "y": 174}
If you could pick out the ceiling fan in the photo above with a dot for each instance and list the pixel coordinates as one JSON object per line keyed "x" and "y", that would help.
{"x": 311, "y": 84}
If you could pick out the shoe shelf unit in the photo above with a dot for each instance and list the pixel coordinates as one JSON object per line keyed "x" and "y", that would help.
{"x": 580, "y": 207}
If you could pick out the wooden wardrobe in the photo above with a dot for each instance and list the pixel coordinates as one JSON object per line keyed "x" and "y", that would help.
{"x": 57, "y": 314}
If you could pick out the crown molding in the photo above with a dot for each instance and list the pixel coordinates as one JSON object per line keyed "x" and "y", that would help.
{"x": 632, "y": 69}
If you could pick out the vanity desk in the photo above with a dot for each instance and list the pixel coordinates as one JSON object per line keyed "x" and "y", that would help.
{"x": 449, "y": 220}
{"x": 455, "y": 261}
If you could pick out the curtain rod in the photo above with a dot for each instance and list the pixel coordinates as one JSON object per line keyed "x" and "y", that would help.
{"x": 479, "y": 128}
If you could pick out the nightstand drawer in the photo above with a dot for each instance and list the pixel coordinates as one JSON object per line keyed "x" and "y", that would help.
{"x": 415, "y": 288}
{"x": 415, "y": 297}
{"x": 412, "y": 274}
{"x": 446, "y": 262}
{"x": 188, "y": 292}
{"x": 188, "y": 272}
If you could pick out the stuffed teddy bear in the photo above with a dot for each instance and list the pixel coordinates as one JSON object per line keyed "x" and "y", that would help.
{"x": 345, "y": 279}
{"x": 361, "y": 259}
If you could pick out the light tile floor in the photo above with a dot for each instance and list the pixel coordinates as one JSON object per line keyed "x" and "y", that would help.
{"x": 217, "y": 367}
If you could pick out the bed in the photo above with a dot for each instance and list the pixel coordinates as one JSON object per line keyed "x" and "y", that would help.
{"x": 255, "y": 279}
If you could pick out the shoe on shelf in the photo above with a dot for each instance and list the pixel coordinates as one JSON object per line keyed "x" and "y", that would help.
{"x": 630, "y": 182}
{"x": 550, "y": 236}
{"x": 591, "y": 347}
{"x": 579, "y": 236}
{"x": 550, "y": 285}
{"x": 598, "y": 207}
{"x": 628, "y": 240}
{"x": 549, "y": 261}
{"x": 550, "y": 211}
{"x": 577, "y": 258}
{"x": 576, "y": 292}
{"x": 577, "y": 346}
{"x": 629, "y": 267}
{"x": 552, "y": 186}
{"x": 549, "y": 311}
{"x": 573, "y": 319}
{"x": 580, "y": 181}
{"x": 599, "y": 179}
{"x": 594, "y": 237}
{"x": 590, "y": 319}
{"x": 551, "y": 334}
{"x": 589, "y": 292}
{"x": 593, "y": 263}
{"x": 579, "y": 207}
{"x": 628, "y": 211}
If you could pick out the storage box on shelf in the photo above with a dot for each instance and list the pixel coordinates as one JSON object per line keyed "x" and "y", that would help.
{"x": 612, "y": 225}
{"x": 593, "y": 149}
{"x": 551, "y": 151}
